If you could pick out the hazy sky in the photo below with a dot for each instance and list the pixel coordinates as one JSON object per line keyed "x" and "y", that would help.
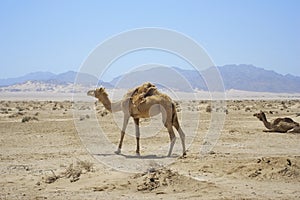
{"x": 58, "y": 36}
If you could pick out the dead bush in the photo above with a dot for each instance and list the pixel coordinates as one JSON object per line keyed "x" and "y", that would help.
{"x": 247, "y": 109}
{"x": 72, "y": 172}
{"x": 208, "y": 108}
{"x": 28, "y": 118}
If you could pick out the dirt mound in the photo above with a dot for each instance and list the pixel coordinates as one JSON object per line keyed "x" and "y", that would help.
{"x": 271, "y": 168}
{"x": 164, "y": 179}
{"x": 155, "y": 178}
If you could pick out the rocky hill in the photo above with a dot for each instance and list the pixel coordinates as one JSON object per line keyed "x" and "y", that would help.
{"x": 235, "y": 77}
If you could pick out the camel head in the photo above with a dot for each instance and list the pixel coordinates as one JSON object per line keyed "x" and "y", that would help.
{"x": 261, "y": 115}
{"x": 99, "y": 93}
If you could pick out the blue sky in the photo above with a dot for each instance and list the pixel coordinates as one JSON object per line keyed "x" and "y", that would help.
{"x": 58, "y": 35}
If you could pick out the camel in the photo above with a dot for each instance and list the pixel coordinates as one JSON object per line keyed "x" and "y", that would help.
{"x": 281, "y": 125}
{"x": 143, "y": 102}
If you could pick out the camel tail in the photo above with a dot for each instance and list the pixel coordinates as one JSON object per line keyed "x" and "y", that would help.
{"x": 174, "y": 116}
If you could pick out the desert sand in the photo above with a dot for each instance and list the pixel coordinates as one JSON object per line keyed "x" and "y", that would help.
{"x": 43, "y": 155}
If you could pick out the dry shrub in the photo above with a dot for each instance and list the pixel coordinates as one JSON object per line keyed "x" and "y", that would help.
{"x": 208, "y": 108}
{"x": 247, "y": 109}
{"x": 72, "y": 172}
{"x": 27, "y": 119}
{"x": 52, "y": 178}
{"x": 103, "y": 113}
{"x": 86, "y": 165}
{"x": 16, "y": 115}
{"x": 83, "y": 117}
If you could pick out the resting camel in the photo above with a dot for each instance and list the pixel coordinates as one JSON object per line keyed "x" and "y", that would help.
{"x": 143, "y": 102}
{"x": 281, "y": 125}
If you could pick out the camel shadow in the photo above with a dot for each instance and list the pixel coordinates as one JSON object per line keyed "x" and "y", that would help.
{"x": 150, "y": 156}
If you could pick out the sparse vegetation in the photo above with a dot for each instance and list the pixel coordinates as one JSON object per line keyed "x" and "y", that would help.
{"x": 16, "y": 115}
{"x": 247, "y": 109}
{"x": 103, "y": 113}
{"x": 86, "y": 165}
{"x": 208, "y": 108}
{"x": 72, "y": 172}
{"x": 83, "y": 117}
{"x": 28, "y": 118}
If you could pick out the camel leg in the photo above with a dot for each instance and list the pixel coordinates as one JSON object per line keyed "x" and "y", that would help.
{"x": 273, "y": 131}
{"x": 172, "y": 139}
{"x": 295, "y": 130}
{"x": 167, "y": 120}
{"x": 269, "y": 130}
{"x": 125, "y": 123}
{"x": 137, "y": 135}
{"x": 182, "y": 136}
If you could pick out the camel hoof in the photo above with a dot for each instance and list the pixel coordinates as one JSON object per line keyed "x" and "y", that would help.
{"x": 138, "y": 154}
{"x": 183, "y": 156}
{"x": 118, "y": 151}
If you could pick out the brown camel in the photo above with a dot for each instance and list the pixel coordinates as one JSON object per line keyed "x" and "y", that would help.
{"x": 281, "y": 125}
{"x": 143, "y": 102}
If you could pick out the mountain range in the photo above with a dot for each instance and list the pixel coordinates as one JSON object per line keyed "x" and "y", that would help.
{"x": 48, "y": 77}
{"x": 237, "y": 77}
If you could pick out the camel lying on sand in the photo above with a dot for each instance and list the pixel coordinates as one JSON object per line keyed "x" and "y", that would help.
{"x": 143, "y": 102}
{"x": 281, "y": 125}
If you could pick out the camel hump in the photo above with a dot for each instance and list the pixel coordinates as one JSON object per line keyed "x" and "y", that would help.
{"x": 289, "y": 120}
{"x": 140, "y": 93}
{"x": 143, "y": 88}
{"x": 285, "y": 120}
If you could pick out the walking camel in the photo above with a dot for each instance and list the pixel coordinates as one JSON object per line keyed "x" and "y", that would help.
{"x": 143, "y": 102}
{"x": 281, "y": 125}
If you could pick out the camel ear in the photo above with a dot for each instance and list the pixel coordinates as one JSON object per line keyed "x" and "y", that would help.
{"x": 101, "y": 89}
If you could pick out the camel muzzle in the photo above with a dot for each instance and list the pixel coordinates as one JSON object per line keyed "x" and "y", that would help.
{"x": 91, "y": 93}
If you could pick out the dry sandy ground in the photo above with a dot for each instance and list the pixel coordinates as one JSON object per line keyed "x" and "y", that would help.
{"x": 44, "y": 157}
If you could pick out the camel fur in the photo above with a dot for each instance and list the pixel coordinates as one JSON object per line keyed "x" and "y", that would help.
{"x": 281, "y": 125}
{"x": 143, "y": 101}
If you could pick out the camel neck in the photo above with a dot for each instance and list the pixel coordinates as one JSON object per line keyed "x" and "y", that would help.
{"x": 266, "y": 123}
{"x": 111, "y": 107}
